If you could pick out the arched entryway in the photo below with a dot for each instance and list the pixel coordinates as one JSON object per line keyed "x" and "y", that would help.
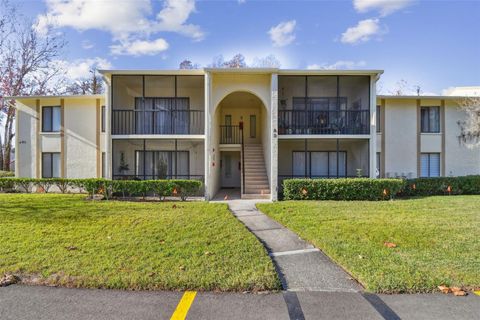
{"x": 240, "y": 131}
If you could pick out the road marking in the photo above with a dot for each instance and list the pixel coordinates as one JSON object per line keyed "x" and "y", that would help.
{"x": 184, "y": 305}
{"x": 286, "y": 253}
{"x": 477, "y": 292}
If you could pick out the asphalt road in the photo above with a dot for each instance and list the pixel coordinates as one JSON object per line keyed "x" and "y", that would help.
{"x": 38, "y": 303}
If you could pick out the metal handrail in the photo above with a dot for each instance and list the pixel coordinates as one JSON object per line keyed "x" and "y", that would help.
{"x": 243, "y": 159}
{"x": 324, "y": 121}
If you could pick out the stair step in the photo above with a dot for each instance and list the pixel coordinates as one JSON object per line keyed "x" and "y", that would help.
{"x": 255, "y": 196}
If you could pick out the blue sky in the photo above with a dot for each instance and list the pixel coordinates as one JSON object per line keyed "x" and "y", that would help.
{"x": 434, "y": 44}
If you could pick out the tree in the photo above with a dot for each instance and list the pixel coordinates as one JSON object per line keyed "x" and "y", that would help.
{"x": 269, "y": 61}
{"x": 188, "y": 65}
{"x": 470, "y": 127}
{"x": 92, "y": 85}
{"x": 27, "y": 67}
{"x": 238, "y": 61}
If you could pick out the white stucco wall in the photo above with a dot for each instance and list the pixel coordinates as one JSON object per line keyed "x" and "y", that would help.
{"x": 459, "y": 159}
{"x": 401, "y": 137}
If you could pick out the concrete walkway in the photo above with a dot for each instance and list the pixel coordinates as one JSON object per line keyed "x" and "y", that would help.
{"x": 301, "y": 266}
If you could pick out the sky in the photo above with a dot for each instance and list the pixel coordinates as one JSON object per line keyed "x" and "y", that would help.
{"x": 432, "y": 44}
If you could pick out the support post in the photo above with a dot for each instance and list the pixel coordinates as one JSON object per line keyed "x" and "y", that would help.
{"x": 338, "y": 159}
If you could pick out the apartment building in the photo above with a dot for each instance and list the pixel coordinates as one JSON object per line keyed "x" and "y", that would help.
{"x": 240, "y": 128}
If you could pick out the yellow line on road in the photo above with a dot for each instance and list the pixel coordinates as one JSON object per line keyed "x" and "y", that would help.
{"x": 184, "y": 305}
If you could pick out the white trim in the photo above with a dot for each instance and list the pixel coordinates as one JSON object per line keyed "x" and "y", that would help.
{"x": 159, "y": 136}
{"x": 323, "y": 136}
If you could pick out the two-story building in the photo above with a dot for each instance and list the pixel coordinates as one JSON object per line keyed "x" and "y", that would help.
{"x": 240, "y": 128}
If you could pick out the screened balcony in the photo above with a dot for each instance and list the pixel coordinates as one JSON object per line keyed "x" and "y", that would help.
{"x": 157, "y": 105}
{"x": 334, "y": 105}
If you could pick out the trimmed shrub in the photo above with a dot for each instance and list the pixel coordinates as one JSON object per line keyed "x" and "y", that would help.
{"x": 6, "y": 174}
{"x": 442, "y": 186}
{"x": 341, "y": 189}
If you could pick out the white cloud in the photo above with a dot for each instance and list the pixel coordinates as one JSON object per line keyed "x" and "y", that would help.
{"x": 241, "y": 1}
{"x": 80, "y": 68}
{"x": 341, "y": 64}
{"x": 130, "y": 21}
{"x": 283, "y": 33}
{"x": 173, "y": 17}
{"x": 363, "y": 31}
{"x": 140, "y": 47}
{"x": 385, "y": 7}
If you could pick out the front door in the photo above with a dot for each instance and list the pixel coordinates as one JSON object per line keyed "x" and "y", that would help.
{"x": 230, "y": 169}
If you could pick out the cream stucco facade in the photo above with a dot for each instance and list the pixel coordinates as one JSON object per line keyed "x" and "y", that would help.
{"x": 217, "y": 124}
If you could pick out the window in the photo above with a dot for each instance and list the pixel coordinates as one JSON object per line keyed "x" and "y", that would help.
{"x": 51, "y": 119}
{"x": 161, "y": 164}
{"x": 320, "y": 164}
{"x": 103, "y": 118}
{"x": 430, "y": 165}
{"x": 379, "y": 121}
{"x": 253, "y": 126}
{"x": 378, "y": 173}
{"x": 430, "y": 119}
{"x": 103, "y": 164}
{"x": 50, "y": 165}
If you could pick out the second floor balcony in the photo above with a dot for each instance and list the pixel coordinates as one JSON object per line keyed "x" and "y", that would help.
{"x": 305, "y": 122}
{"x": 146, "y": 122}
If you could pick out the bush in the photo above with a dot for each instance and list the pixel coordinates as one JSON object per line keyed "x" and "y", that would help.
{"x": 5, "y": 174}
{"x": 161, "y": 188}
{"x": 442, "y": 186}
{"x": 341, "y": 189}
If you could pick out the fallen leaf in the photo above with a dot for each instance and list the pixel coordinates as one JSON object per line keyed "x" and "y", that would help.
{"x": 182, "y": 268}
{"x": 208, "y": 253}
{"x": 444, "y": 289}
{"x": 162, "y": 241}
{"x": 174, "y": 206}
{"x": 390, "y": 245}
{"x": 70, "y": 248}
{"x": 459, "y": 293}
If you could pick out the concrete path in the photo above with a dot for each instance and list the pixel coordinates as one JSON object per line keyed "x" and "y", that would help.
{"x": 301, "y": 266}
{"x": 48, "y": 303}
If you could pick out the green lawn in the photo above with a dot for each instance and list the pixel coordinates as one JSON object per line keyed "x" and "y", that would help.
{"x": 65, "y": 240}
{"x": 437, "y": 238}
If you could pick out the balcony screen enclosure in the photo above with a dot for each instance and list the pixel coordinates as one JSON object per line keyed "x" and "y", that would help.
{"x": 157, "y": 104}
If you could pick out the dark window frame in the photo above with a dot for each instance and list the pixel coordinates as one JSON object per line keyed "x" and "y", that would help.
{"x": 427, "y": 110}
{"x": 429, "y": 154}
{"x": 103, "y": 118}
{"x": 51, "y": 108}
{"x": 51, "y": 164}
{"x": 253, "y": 129}
{"x": 379, "y": 119}
{"x": 172, "y": 155}
{"x": 104, "y": 162}
{"x": 309, "y": 169}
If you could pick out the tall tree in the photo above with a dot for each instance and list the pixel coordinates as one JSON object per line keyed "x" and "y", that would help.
{"x": 188, "y": 65}
{"x": 470, "y": 127}
{"x": 27, "y": 67}
{"x": 91, "y": 85}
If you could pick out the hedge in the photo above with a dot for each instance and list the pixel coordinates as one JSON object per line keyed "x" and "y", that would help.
{"x": 4, "y": 174}
{"x": 442, "y": 186}
{"x": 109, "y": 188}
{"x": 341, "y": 189}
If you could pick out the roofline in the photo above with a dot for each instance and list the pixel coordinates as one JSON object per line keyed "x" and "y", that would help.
{"x": 241, "y": 70}
{"x": 153, "y": 72}
{"x": 329, "y": 72}
{"x": 394, "y": 97}
{"x": 73, "y": 96}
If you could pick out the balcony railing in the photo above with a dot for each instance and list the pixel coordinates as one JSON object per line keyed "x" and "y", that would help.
{"x": 323, "y": 122}
{"x": 128, "y": 122}
{"x": 230, "y": 135}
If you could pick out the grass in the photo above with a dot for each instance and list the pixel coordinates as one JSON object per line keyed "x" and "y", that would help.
{"x": 437, "y": 238}
{"x": 65, "y": 240}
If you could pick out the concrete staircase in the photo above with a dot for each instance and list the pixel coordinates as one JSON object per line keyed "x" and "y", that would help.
{"x": 256, "y": 180}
